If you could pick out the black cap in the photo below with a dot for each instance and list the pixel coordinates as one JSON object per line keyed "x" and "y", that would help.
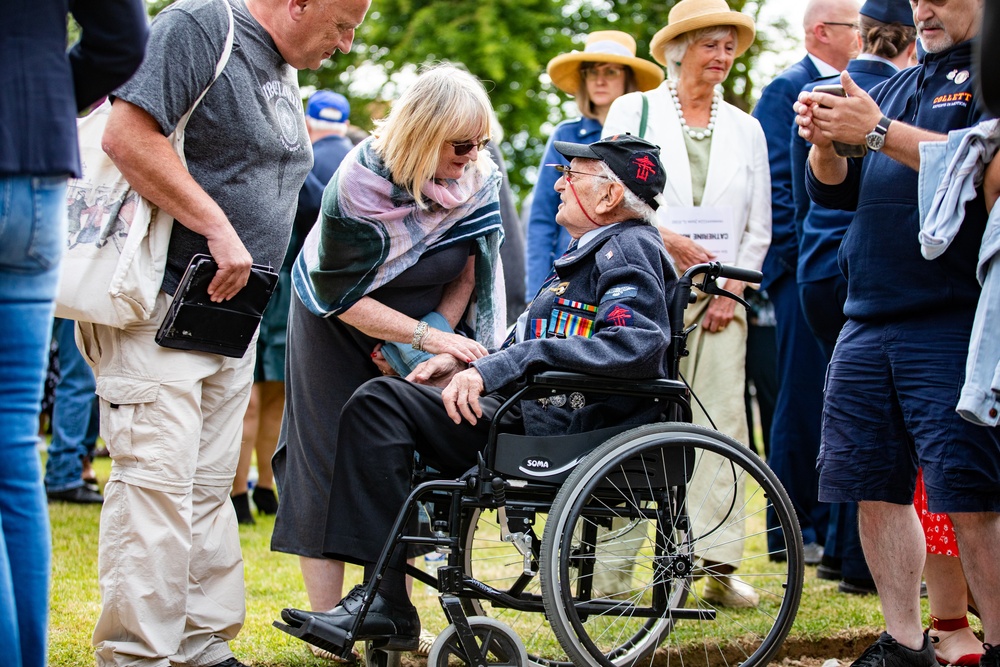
{"x": 888, "y": 11}
{"x": 633, "y": 160}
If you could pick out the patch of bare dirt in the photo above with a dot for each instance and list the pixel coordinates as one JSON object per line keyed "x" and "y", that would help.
{"x": 840, "y": 650}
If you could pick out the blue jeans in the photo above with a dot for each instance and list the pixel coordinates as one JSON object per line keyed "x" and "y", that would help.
{"x": 75, "y": 416}
{"x": 32, "y": 236}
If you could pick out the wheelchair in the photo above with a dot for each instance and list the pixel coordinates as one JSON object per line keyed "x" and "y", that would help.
{"x": 599, "y": 548}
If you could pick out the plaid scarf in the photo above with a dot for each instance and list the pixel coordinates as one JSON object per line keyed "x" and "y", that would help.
{"x": 370, "y": 230}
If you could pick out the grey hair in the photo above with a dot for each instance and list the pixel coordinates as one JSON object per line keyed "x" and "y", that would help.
{"x": 675, "y": 49}
{"x": 631, "y": 202}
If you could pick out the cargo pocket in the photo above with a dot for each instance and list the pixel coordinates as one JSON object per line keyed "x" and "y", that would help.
{"x": 126, "y": 420}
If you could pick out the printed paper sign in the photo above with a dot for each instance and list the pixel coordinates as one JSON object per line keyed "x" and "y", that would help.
{"x": 711, "y": 227}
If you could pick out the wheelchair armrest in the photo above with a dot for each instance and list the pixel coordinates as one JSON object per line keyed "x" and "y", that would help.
{"x": 563, "y": 380}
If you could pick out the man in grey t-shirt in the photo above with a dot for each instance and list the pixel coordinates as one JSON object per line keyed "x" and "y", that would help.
{"x": 171, "y": 572}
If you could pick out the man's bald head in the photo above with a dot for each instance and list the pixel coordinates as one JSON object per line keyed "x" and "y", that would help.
{"x": 831, "y": 32}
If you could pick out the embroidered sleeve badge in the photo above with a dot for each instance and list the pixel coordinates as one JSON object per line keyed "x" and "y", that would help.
{"x": 619, "y": 316}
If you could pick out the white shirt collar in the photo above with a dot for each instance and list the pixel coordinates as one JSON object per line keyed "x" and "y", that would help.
{"x": 589, "y": 236}
{"x": 825, "y": 69}
{"x": 872, "y": 56}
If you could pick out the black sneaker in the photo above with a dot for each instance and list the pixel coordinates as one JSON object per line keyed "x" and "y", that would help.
{"x": 992, "y": 656}
{"x": 230, "y": 662}
{"x": 887, "y": 652}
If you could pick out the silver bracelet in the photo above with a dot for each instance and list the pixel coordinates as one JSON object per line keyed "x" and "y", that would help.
{"x": 418, "y": 336}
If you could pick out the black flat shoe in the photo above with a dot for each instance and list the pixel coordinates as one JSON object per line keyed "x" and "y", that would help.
{"x": 81, "y": 495}
{"x": 857, "y": 587}
{"x": 241, "y": 503}
{"x": 265, "y": 500}
{"x": 390, "y": 628}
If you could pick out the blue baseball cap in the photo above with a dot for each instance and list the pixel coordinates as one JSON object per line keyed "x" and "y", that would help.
{"x": 329, "y": 106}
{"x": 888, "y": 11}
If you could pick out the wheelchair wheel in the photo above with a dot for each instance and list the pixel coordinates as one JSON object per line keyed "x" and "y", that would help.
{"x": 502, "y": 647}
{"x": 498, "y": 564}
{"x": 697, "y": 529}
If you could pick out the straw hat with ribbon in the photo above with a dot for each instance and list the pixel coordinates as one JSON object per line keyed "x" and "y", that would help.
{"x": 688, "y": 15}
{"x": 603, "y": 46}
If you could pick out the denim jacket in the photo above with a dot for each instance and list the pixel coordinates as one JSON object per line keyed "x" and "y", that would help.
{"x": 950, "y": 173}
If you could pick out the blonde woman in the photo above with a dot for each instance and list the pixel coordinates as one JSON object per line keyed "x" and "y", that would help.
{"x": 405, "y": 251}
{"x": 606, "y": 69}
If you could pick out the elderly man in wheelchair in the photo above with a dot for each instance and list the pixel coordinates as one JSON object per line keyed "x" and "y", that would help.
{"x": 604, "y": 312}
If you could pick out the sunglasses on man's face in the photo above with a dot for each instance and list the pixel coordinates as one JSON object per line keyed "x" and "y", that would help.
{"x": 465, "y": 147}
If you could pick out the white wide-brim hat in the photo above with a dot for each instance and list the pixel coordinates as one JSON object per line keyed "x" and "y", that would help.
{"x": 603, "y": 46}
{"x": 688, "y": 15}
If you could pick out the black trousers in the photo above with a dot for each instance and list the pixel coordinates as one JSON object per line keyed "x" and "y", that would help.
{"x": 382, "y": 425}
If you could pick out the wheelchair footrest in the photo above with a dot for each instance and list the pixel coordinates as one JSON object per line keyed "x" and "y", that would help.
{"x": 334, "y": 639}
{"x": 318, "y": 634}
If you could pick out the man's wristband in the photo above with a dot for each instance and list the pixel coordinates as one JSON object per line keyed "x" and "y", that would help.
{"x": 418, "y": 336}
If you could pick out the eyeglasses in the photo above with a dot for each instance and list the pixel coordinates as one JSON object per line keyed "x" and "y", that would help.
{"x": 465, "y": 147}
{"x": 591, "y": 73}
{"x": 852, "y": 26}
{"x": 569, "y": 173}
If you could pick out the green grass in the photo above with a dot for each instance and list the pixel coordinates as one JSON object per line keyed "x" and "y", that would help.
{"x": 273, "y": 582}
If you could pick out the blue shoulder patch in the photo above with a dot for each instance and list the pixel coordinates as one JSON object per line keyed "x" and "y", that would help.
{"x": 620, "y": 292}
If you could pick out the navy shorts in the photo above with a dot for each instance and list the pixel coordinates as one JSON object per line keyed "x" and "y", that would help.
{"x": 273, "y": 333}
{"x": 891, "y": 392}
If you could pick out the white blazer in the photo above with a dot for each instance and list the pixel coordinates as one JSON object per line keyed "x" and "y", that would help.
{"x": 738, "y": 171}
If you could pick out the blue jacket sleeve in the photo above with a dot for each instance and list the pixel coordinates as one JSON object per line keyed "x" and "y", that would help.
{"x": 843, "y": 197}
{"x": 543, "y": 232}
{"x": 776, "y": 116}
{"x": 111, "y": 47}
{"x": 799, "y": 155}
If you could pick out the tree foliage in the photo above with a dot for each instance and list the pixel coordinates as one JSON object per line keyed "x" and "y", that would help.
{"x": 506, "y": 43}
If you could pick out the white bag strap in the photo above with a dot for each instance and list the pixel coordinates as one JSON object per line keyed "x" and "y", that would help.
{"x": 178, "y": 133}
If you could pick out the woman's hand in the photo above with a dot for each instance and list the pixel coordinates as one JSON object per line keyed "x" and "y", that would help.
{"x": 383, "y": 364}
{"x": 685, "y": 252}
{"x": 722, "y": 309}
{"x": 462, "y": 348}
{"x": 461, "y": 396}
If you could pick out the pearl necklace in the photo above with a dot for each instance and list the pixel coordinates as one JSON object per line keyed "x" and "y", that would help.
{"x": 697, "y": 134}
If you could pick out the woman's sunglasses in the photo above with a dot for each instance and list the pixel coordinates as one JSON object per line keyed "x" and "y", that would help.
{"x": 465, "y": 147}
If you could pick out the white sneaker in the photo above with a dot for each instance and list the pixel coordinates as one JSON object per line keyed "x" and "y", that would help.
{"x": 425, "y": 643}
{"x": 730, "y": 591}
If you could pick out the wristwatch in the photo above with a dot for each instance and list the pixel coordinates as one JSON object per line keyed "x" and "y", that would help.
{"x": 875, "y": 139}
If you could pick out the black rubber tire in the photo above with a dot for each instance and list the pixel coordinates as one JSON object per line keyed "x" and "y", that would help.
{"x": 640, "y": 470}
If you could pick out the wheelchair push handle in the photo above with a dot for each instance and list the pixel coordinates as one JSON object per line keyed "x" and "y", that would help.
{"x": 715, "y": 270}
{"x": 711, "y": 272}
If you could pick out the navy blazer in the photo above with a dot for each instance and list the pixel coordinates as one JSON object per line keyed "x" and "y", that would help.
{"x": 776, "y": 116}
{"x": 819, "y": 229}
{"x": 44, "y": 85}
